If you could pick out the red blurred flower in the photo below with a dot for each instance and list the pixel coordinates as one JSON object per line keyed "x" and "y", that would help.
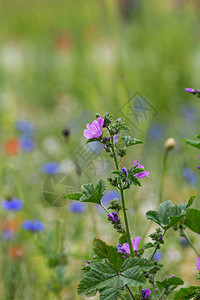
{"x": 16, "y": 252}
{"x": 9, "y": 225}
{"x": 64, "y": 41}
{"x": 12, "y": 146}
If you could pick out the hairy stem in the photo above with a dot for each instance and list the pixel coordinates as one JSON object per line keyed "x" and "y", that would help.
{"x": 161, "y": 295}
{"x": 189, "y": 242}
{"x": 104, "y": 208}
{"x": 128, "y": 235}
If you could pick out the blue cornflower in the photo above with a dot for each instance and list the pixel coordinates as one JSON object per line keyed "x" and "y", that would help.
{"x": 13, "y": 205}
{"x": 33, "y": 226}
{"x": 27, "y": 143}
{"x": 156, "y": 131}
{"x": 158, "y": 255}
{"x": 24, "y": 126}
{"x": 50, "y": 168}
{"x": 190, "y": 175}
{"x": 189, "y": 113}
{"x": 107, "y": 197}
{"x": 77, "y": 207}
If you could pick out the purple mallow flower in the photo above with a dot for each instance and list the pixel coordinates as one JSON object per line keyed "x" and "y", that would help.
{"x": 33, "y": 226}
{"x": 198, "y": 264}
{"x": 124, "y": 170}
{"x": 115, "y": 138}
{"x": 114, "y": 217}
{"x": 190, "y": 90}
{"x": 125, "y": 248}
{"x": 13, "y": 205}
{"x": 141, "y": 174}
{"x": 88, "y": 262}
{"x": 171, "y": 276}
{"x": 145, "y": 294}
{"x": 50, "y": 168}
{"x": 94, "y": 130}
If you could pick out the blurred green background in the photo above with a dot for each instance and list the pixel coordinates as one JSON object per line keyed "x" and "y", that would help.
{"x": 62, "y": 61}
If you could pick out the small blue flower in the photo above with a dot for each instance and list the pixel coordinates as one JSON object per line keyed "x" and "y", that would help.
{"x": 13, "y": 205}
{"x": 50, "y": 168}
{"x": 33, "y": 226}
{"x": 27, "y": 143}
{"x": 189, "y": 113}
{"x": 24, "y": 126}
{"x": 77, "y": 207}
{"x": 190, "y": 175}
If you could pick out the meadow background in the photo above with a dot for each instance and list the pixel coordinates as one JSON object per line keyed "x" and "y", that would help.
{"x": 61, "y": 62}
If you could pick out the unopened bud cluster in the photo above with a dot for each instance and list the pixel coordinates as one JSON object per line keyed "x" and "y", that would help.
{"x": 157, "y": 237}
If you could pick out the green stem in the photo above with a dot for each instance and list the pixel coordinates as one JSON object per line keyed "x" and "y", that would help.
{"x": 129, "y": 292}
{"x": 165, "y": 157}
{"x": 190, "y": 243}
{"x": 104, "y": 208}
{"x": 126, "y": 223}
{"x": 161, "y": 295}
{"x": 153, "y": 291}
{"x": 128, "y": 235}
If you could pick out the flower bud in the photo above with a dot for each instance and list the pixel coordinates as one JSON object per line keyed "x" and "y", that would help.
{"x": 124, "y": 170}
{"x": 170, "y": 144}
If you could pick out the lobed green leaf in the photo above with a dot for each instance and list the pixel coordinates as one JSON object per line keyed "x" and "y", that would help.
{"x": 167, "y": 214}
{"x": 129, "y": 141}
{"x": 103, "y": 278}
